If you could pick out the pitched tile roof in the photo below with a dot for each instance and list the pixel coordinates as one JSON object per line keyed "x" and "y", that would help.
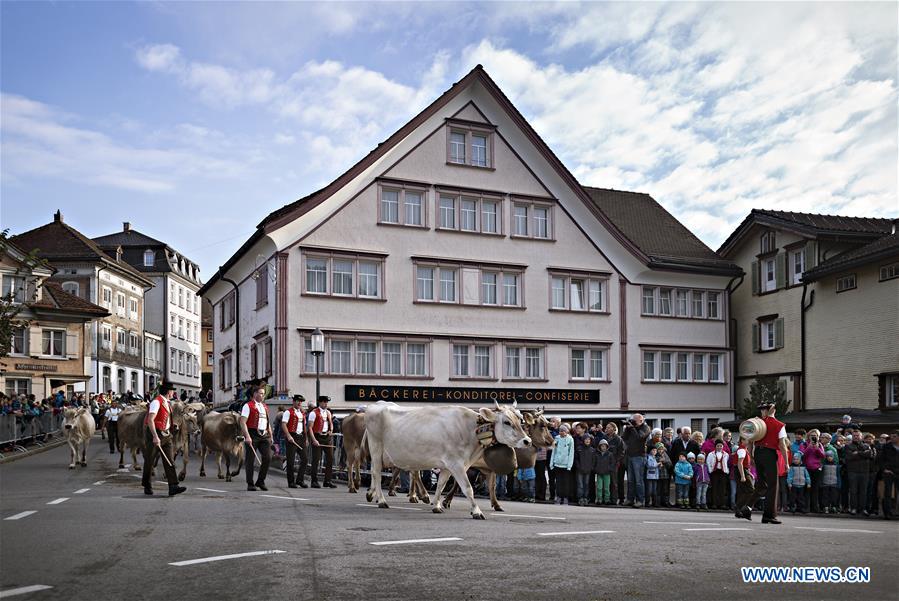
{"x": 130, "y": 237}
{"x": 655, "y": 231}
{"x": 882, "y": 248}
{"x": 59, "y": 242}
{"x": 57, "y": 299}
{"x": 812, "y": 224}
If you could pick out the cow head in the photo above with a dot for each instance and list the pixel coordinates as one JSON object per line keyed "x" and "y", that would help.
{"x": 537, "y": 428}
{"x": 507, "y": 426}
{"x": 191, "y": 422}
{"x": 71, "y": 416}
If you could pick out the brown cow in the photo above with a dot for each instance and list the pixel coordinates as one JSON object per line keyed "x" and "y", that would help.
{"x": 131, "y": 435}
{"x": 78, "y": 427}
{"x": 222, "y": 434}
{"x": 537, "y": 427}
{"x": 353, "y": 428}
{"x": 184, "y": 424}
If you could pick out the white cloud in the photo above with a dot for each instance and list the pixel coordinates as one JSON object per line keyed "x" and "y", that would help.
{"x": 158, "y": 57}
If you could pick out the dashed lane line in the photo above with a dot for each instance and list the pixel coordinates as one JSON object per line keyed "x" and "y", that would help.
{"x": 687, "y": 523}
{"x": 58, "y": 501}
{"x": 211, "y": 490}
{"x": 400, "y": 508}
{"x": 415, "y": 540}
{"x": 707, "y": 529}
{"x": 821, "y": 529}
{"x": 190, "y": 562}
{"x": 521, "y": 515}
{"x": 19, "y": 516}
{"x": 81, "y": 491}
{"x": 99, "y": 482}
{"x": 287, "y": 498}
{"x": 11, "y": 592}
{"x": 569, "y": 533}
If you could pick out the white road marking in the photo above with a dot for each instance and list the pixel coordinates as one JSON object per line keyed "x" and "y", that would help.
{"x": 416, "y": 540}
{"x": 704, "y": 529}
{"x": 19, "y": 516}
{"x": 401, "y": 508}
{"x": 99, "y": 482}
{"x": 686, "y": 523}
{"x": 162, "y": 482}
{"x": 575, "y": 532}
{"x": 191, "y": 562}
{"x": 23, "y": 589}
{"x": 288, "y": 498}
{"x": 81, "y": 491}
{"x": 136, "y": 476}
{"x": 58, "y": 501}
{"x": 520, "y": 515}
{"x": 211, "y": 490}
{"x": 838, "y": 529}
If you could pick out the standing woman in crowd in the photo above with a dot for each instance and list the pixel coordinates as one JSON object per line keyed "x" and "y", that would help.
{"x": 562, "y": 461}
{"x": 616, "y": 447}
{"x": 813, "y": 458}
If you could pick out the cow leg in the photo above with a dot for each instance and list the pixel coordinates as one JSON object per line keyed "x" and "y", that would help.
{"x": 227, "y": 466}
{"x": 351, "y": 460}
{"x": 84, "y": 445}
{"x": 377, "y": 455}
{"x": 134, "y": 464}
{"x": 491, "y": 488}
{"x": 73, "y": 454}
{"x": 184, "y": 452}
{"x": 203, "y": 451}
{"x": 441, "y": 482}
{"x": 462, "y": 480}
{"x": 417, "y": 484}
{"x": 394, "y": 479}
{"x": 121, "y": 446}
{"x": 449, "y": 496}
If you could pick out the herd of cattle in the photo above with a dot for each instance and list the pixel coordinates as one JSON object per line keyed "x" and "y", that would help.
{"x": 452, "y": 439}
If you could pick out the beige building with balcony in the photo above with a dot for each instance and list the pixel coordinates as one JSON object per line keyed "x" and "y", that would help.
{"x": 459, "y": 262}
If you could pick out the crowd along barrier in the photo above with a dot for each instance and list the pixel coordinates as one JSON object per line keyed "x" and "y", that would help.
{"x": 16, "y": 431}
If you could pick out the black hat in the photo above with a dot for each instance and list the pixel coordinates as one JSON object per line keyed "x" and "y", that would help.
{"x": 164, "y": 387}
{"x": 764, "y": 404}
{"x": 299, "y": 397}
{"x": 324, "y": 399}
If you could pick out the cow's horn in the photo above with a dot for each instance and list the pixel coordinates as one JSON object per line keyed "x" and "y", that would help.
{"x": 496, "y": 404}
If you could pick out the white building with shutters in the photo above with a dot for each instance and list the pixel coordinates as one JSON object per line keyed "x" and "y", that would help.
{"x": 459, "y": 262}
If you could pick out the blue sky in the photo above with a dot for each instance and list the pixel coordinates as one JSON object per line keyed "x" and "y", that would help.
{"x": 194, "y": 120}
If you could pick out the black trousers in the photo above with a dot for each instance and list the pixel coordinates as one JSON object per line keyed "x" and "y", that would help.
{"x": 766, "y": 483}
{"x": 744, "y": 491}
{"x": 112, "y": 429}
{"x": 292, "y": 450}
{"x": 325, "y": 439}
{"x": 719, "y": 488}
{"x": 264, "y": 446}
{"x": 540, "y": 471}
{"x": 563, "y": 483}
{"x": 890, "y": 481}
{"x": 799, "y": 498}
{"x": 150, "y": 452}
{"x": 663, "y": 490}
{"x": 815, "y": 492}
{"x": 618, "y": 479}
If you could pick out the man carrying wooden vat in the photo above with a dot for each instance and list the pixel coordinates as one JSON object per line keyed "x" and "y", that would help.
{"x": 765, "y": 436}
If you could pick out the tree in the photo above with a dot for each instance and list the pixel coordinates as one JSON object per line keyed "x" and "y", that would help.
{"x": 9, "y": 307}
{"x": 765, "y": 388}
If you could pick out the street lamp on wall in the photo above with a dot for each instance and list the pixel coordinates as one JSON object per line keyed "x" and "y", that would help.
{"x": 318, "y": 349}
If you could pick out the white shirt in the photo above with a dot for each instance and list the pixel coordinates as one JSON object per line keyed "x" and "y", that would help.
{"x": 262, "y": 426}
{"x": 285, "y": 418}
{"x": 154, "y": 408}
{"x": 112, "y": 414}
{"x": 782, "y": 433}
{"x": 741, "y": 453}
{"x": 326, "y": 417}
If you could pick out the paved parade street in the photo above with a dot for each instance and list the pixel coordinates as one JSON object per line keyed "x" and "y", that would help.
{"x": 91, "y": 533}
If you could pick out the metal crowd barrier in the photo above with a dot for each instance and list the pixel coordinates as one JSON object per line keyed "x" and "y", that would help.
{"x": 16, "y": 431}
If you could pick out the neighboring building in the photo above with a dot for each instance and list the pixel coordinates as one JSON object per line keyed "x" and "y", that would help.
{"x": 819, "y": 308}
{"x": 172, "y": 312}
{"x": 83, "y": 269}
{"x": 154, "y": 360}
{"x": 208, "y": 352}
{"x": 460, "y": 261}
{"x": 48, "y": 342}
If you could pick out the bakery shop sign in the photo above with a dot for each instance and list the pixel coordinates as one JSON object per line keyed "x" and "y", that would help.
{"x": 441, "y": 394}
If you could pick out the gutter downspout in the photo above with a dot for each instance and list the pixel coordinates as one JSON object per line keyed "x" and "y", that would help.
{"x": 732, "y": 323}
{"x": 804, "y": 309}
{"x": 97, "y": 356}
{"x": 236, "y": 330}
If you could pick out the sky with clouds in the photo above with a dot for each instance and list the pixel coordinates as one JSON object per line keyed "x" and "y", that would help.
{"x": 194, "y": 120}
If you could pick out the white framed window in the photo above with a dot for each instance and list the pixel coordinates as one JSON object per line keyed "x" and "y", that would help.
{"x": 483, "y": 361}
{"x": 533, "y": 362}
{"x": 120, "y": 304}
{"x": 17, "y": 386}
{"x": 488, "y": 288}
{"x": 511, "y": 290}
{"x": 416, "y": 359}
{"x": 797, "y": 264}
{"x": 149, "y": 258}
{"x": 698, "y": 303}
{"x": 133, "y": 309}
{"x": 716, "y": 363}
{"x": 351, "y": 276}
{"x": 468, "y": 221}
{"x": 768, "y": 338}
{"x": 522, "y": 362}
{"x": 308, "y": 357}
{"x": 181, "y": 363}
{"x": 402, "y": 205}
{"x": 316, "y": 275}
{"x": 457, "y": 147}
{"x": 664, "y": 301}
{"x": 532, "y": 220}
{"x": 448, "y": 279}
{"x": 649, "y": 300}
{"x": 366, "y": 357}
{"x": 599, "y": 364}
{"x": 683, "y": 367}
{"x": 888, "y": 272}
{"x": 173, "y": 361}
{"x": 414, "y": 205}
{"x": 468, "y": 212}
{"x": 469, "y": 145}
{"x": 424, "y": 283}
{"x": 180, "y": 297}
{"x": 342, "y": 277}
{"x": 71, "y": 287}
{"x": 588, "y": 364}
{"x": 14, "y": 288}
{"x": 513, "y": 362}
{"x": 53, "y": 343}
{"x": 392, "y": 358}
{"x": 107, "y": 297}
{"x": 768, "y": 242}
{"x": 106, "y": 339}
{"x": 121, "y": 341}
{"x": 447, "y": 212}
{"x": 699, "y": 367}
{"x": 891, "y": 390}
{"x": 460, "y": 361}
{"x": 649, "y": 365}
{"x": 20, "y": 341}
{"x": 369, "y": 279}
{"x": 578, "y": 364}
{"x": 390, "y": 206}
{"x": 665, "y": 372}
{"x": 490, "y": 216}
{"x": 107, "y": 378}
{"x": 479, "y": 150}
{"x": 341, "y": 360}
{"x": 713, "y": 306}
{"x": 181, "y": 328}
{"x": 575, "y": 292}
{"x": 769, "y": 275}
{"x": 682, "y": 307}
{"x": 847, "y": 282}
{"x": 134, "y": 343}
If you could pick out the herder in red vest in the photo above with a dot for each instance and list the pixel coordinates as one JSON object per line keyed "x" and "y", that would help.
{"x": 321, "y": 435}
{"x": 293, "y": 426}
{"x": 258, "y": 435}
{"x": 764, "y": 454}
{"x": 157, "y": 435}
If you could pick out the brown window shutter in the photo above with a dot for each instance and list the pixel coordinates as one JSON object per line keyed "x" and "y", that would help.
{"x": 779, "y": 333}
{"x": 755, "y": 278}
{"x": 755, "y": 337}
{"x": 780, "y": 270}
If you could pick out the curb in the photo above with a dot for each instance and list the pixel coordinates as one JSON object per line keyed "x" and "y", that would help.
{"x": 34, "y": 451}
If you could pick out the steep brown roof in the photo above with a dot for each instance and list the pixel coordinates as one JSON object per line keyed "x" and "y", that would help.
{"x": 655, "y": 231}
{"x": 882, "y": 248}
{"x": 811, "y": 224}
{"x": 59, "y": 242}
{"x": 58, "y": 300}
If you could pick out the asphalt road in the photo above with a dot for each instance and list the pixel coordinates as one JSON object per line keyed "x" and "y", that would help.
{"x": 95, "y": 535}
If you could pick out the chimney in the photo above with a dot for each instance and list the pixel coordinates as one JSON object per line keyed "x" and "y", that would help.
{"x": 57, "y": 216}
{"x": 126, "y": 226}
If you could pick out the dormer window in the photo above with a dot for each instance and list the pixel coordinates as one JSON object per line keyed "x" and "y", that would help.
{"x": 768, "y": 242}
{"x": 469, "y": 144}
{"x": 149, "y": 258}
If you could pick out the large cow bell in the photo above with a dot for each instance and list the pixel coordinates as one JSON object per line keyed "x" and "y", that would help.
{"x": 500, "y": 459}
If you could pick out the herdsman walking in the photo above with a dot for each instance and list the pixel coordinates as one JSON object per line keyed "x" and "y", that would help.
{"x": 111, "y": 419}
{"x": 764, "y": 454}
{"x": 158, "y": 439}
{"x": 293, "y": 426}
{"x": 258, "y": 437}
{"x": 321, "y": 430}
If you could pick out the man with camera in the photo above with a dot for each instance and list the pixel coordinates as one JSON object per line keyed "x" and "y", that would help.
{"x": 636, "y": 432}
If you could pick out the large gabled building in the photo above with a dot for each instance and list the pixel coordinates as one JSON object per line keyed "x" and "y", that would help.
{"x": 172, "y": 313}
{"x": 819, "y": 309}
{"x": 459, "y": 262}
